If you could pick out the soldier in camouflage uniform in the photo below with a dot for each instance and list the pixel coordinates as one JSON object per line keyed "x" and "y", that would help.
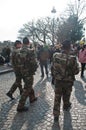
{"x": 28, "y": 66}
{"x": 64, "y": 69}
{"x": 15, "y": 65}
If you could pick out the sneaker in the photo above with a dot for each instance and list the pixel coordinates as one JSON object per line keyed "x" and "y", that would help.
{"x": 35, "y": 99}
{"x": 24, "y": 109}
{"x": 10, "y": 96}
{"x": 56, "y": 119}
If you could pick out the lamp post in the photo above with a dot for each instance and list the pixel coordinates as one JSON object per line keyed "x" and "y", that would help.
{"x": 84, "y": 35}
{"x": 78, "y": 16}
{"x": 53, "y": 11}
{"x": 78, "y": 8}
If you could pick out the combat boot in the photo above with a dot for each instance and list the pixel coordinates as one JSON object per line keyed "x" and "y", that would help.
{"x": 24, "y": 109}
{"x": 10, "y": 95}
{"x": 35, "y": 99}
{"x": 21, "y": 91}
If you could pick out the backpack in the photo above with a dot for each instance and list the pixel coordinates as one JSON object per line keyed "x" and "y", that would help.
{"x": 64, "y": 67}
{"x": 27, "y": 61}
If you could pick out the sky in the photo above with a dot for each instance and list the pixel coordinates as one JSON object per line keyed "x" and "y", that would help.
{"x": 15, "y": 13}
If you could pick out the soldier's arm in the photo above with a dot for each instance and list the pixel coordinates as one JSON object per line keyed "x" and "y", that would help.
{"x": 75, "y": 66}
{"x": 33, "y": 60}
{"x": 13, "y": 60}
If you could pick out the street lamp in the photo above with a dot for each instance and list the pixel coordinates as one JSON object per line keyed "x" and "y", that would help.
{"x": 53, "y": 11}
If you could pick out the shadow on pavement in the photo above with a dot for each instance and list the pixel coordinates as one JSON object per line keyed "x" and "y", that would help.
{"x": 67, "y": 124}
{"x": 55, "y": 126}
{"x": 37, "y": 113}
{"x": 80, "y": 93}
{"x": 5, "y": 110}
{"x": 84, "y": 79}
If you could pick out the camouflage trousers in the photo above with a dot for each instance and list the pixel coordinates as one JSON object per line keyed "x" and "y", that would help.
{"x": 27, "y": 91}
{"x": 17, "y": 83}
{"x": 62, "y": 90}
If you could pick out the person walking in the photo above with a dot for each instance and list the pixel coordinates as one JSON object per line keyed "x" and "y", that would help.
{"x": 15, "y": 65}
{"x": 64, "y": 69}
{"x": 82, "y": 59}
{"x": 43, "y": 58}
{"x": 28, "y": 68}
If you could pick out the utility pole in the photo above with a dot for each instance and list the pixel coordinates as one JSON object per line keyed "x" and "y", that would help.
{"x": 53, "y": 11}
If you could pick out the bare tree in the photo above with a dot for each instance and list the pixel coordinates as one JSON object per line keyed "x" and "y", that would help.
{"x": 39, "y": 31}
{"x": 71, "y": 26}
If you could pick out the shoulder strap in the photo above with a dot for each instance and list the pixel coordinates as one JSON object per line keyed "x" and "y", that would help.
{"x": 65, "y": 67}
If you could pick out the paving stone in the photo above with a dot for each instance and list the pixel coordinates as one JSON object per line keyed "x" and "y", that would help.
{"x": 40, "y": 114}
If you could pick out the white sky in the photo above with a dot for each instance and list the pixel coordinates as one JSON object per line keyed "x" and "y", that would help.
{"x": 15, "y": 13}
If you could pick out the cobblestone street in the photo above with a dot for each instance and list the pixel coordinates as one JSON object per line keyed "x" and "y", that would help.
{"x": 39, "y": 116}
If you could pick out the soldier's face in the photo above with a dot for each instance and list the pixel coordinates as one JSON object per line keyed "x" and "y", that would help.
{"x": 18, "y": 46}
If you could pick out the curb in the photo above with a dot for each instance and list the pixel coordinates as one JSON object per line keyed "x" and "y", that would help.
{"x": 6, "y": 71}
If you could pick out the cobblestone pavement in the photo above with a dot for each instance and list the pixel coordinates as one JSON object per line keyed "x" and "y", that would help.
{"x": 39, "y": 116}
{"x": 5, "y": 68}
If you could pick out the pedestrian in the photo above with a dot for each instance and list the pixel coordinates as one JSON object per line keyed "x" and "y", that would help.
{"x": 15, "y": 65}
{"x": 43, "y": 58}
{"x": 64, "y": 69}
{"x": 6, "y": 51}
{"x": 2, "y": 60}
{"x": 82, "y": 59}
{"x": 28, "y": 68}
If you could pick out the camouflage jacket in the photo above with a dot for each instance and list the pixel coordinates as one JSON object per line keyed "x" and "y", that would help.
{"x": 14, "y": 58}
{"x": 25, "y": 60}
{"x": 64, "y": 67}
